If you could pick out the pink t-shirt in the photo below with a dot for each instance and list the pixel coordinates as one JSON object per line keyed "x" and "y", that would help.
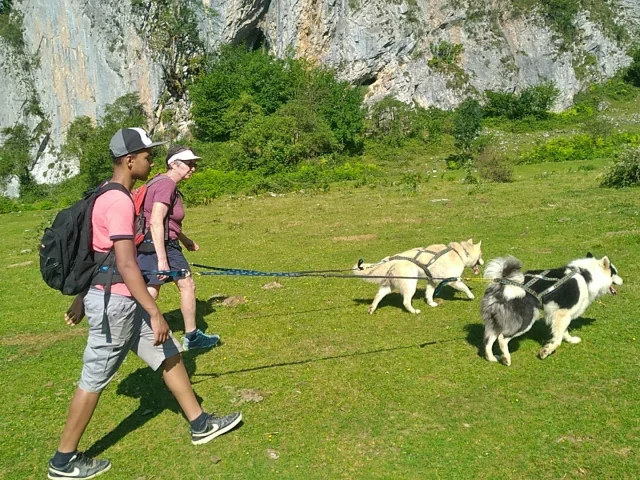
{"x": 165, "y": 191}
{"x": 112, "y": 219}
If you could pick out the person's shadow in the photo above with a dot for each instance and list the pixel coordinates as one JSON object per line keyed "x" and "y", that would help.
{"x": 148, "y": 386}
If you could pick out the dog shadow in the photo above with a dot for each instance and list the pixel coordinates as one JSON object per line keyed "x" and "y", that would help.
{"x": 154, "y": 396}
{"x": 394, "y": 299}
{"x": 203, "y": 308}
{"x": 540, "y": 332}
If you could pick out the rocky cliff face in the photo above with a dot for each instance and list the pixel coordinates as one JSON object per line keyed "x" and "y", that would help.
{"x": 86, "y": 53}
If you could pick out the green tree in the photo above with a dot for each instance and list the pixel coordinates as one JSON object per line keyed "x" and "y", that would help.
{"x": 467, "y": 125}
{"x": 89, "y": 144}
{"x": 632, "y": 74}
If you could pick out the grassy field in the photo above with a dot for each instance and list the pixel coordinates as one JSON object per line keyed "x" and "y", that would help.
{"x": 327, "y": 391}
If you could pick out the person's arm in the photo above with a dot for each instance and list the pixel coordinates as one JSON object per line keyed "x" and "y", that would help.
{"x": 127, "y": 266}
{"x": 156, "y": 225}
{"x": 188, "y": 243}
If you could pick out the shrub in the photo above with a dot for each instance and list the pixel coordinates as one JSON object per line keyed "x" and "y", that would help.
{"x": 625, "y": 171}
{"x": 632, "y": 73}
{"x": 493, "y": 166}
{"x": 580, "y": 147}
{"x": 467, "y": 124}
{"x": 531, "y": 102}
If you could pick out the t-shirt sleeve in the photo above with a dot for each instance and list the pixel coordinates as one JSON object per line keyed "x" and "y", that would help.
{"x": 119, "y": 218}
{"x": 164, "y": 191}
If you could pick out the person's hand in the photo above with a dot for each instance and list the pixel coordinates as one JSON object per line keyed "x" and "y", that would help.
{"x": 160, "y": 327}
{"x": 191, "y": 246}
{"x": 75, "y": 313}
{"x": 163, "y": 266}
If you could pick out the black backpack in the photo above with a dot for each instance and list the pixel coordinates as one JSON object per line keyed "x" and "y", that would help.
{"x": 67, "y": 262}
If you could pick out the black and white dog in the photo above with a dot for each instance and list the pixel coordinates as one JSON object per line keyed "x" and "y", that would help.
{"x": 509, "y": 309}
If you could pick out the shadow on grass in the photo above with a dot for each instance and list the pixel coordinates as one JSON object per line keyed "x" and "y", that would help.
{"x": 203, "y": 308}
{"x": 306, "y": 361}
{"x": 395, "y": 299}
{"x": 539, "y": 332}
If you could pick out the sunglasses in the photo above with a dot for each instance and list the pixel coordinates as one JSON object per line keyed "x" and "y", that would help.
{"x": 190, "y": 163}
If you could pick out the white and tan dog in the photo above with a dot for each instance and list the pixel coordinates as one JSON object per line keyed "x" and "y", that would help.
{"x": 450, "y": 263}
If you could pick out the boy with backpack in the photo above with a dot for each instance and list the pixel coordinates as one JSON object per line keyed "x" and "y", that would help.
{"x": 122, "y": 315}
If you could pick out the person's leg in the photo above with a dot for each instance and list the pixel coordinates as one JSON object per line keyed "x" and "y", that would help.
{"x": 83, "y": 404}
{"x": 187, "y": 289}
{"x": 175, "y": 376}
{"x": 193, "y": 337}
{"x": 101, "y": 361}
{"x": 168, "y": 358}
{"x": 154, "y": 291}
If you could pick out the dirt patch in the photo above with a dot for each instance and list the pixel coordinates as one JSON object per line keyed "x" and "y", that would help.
{"x": 272, "y": 285}
{"x": 42, "y": 339}
{"x": 234, "y": 301}
{"x": 356, "y": 238}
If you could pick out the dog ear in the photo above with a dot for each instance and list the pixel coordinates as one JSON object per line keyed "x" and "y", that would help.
{"x": 589, "y": 255}
{"x": 605, "y": 263}
{"x": 479, "y": 243}
{"x": 470, "y": 241}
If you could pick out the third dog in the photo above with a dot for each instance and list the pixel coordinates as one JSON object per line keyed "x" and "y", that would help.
{"x": 509, "y": 309}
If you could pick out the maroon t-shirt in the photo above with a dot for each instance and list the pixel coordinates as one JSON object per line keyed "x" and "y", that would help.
{"x": 164, "y": 190}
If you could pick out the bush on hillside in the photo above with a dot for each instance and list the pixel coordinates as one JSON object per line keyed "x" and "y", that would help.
{"x": 625, "y": 171}
{"x": 532, "y": 102}
{"x": 632, "y": 73}
{"x": 279, "y": 112}
{"x": 493, "y": 166}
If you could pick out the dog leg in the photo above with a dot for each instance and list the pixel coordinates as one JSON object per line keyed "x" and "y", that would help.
{"x": 559, "y": 323}
{"x": 488, "y": 347}
{"x": 408, "y": 290}
{"x": 569, "y": 338}
{"x": 504, "y": 348}
{"x": 382, "y": 292}
{"x": 461, "y": 287}
{"x": 428, "y": 294}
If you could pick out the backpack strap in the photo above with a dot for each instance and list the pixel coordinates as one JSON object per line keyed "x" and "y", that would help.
{"x": 147, "y": 244}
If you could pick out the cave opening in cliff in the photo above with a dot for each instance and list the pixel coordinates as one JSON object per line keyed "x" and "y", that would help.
{"x": 365, "y": 82}
{"x": 256, "y": 40}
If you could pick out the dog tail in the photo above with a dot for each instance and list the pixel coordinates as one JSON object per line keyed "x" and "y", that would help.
{"x": 509, "y": 268}
{"x": 379, "y": 269}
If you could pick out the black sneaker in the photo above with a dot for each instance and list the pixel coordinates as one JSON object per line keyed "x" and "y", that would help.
{"x": 80, "y": 466}
{"x": 216, "y": 426}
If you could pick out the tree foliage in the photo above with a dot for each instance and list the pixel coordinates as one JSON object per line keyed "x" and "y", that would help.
{"x": 533, "y": 102}
{"x": 89, "y": 143}
{"x": 279, "y": 111}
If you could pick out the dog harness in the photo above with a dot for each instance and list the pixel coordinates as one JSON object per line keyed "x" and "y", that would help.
{"x": 539, "y": 276}
{"x": 434, "y": 259}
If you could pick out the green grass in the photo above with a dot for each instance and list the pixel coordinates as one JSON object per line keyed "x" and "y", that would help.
{"x": 345, "y": 394}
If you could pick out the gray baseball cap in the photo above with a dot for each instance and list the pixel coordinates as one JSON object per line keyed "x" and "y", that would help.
{"x": 130, "y": 140}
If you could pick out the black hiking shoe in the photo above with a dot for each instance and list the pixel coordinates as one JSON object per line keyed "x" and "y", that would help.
{"x": 216, "y": 426}
{"x": 80, "y": 466}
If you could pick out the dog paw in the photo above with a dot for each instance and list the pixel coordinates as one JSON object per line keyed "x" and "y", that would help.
{"x": 545, "y": 352}
{"x": 506, "y": 361}
{"x": 432, "y": 304}
{"x": 573, "y": 340}
{"x": 371, "y": 310}
{"x": 492, "y": 359}
{"x": 415, "y": 311}
{"x": 471, "y": 296}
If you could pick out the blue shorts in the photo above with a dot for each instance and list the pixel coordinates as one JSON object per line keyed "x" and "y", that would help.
{"x": 149, "y": 262}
